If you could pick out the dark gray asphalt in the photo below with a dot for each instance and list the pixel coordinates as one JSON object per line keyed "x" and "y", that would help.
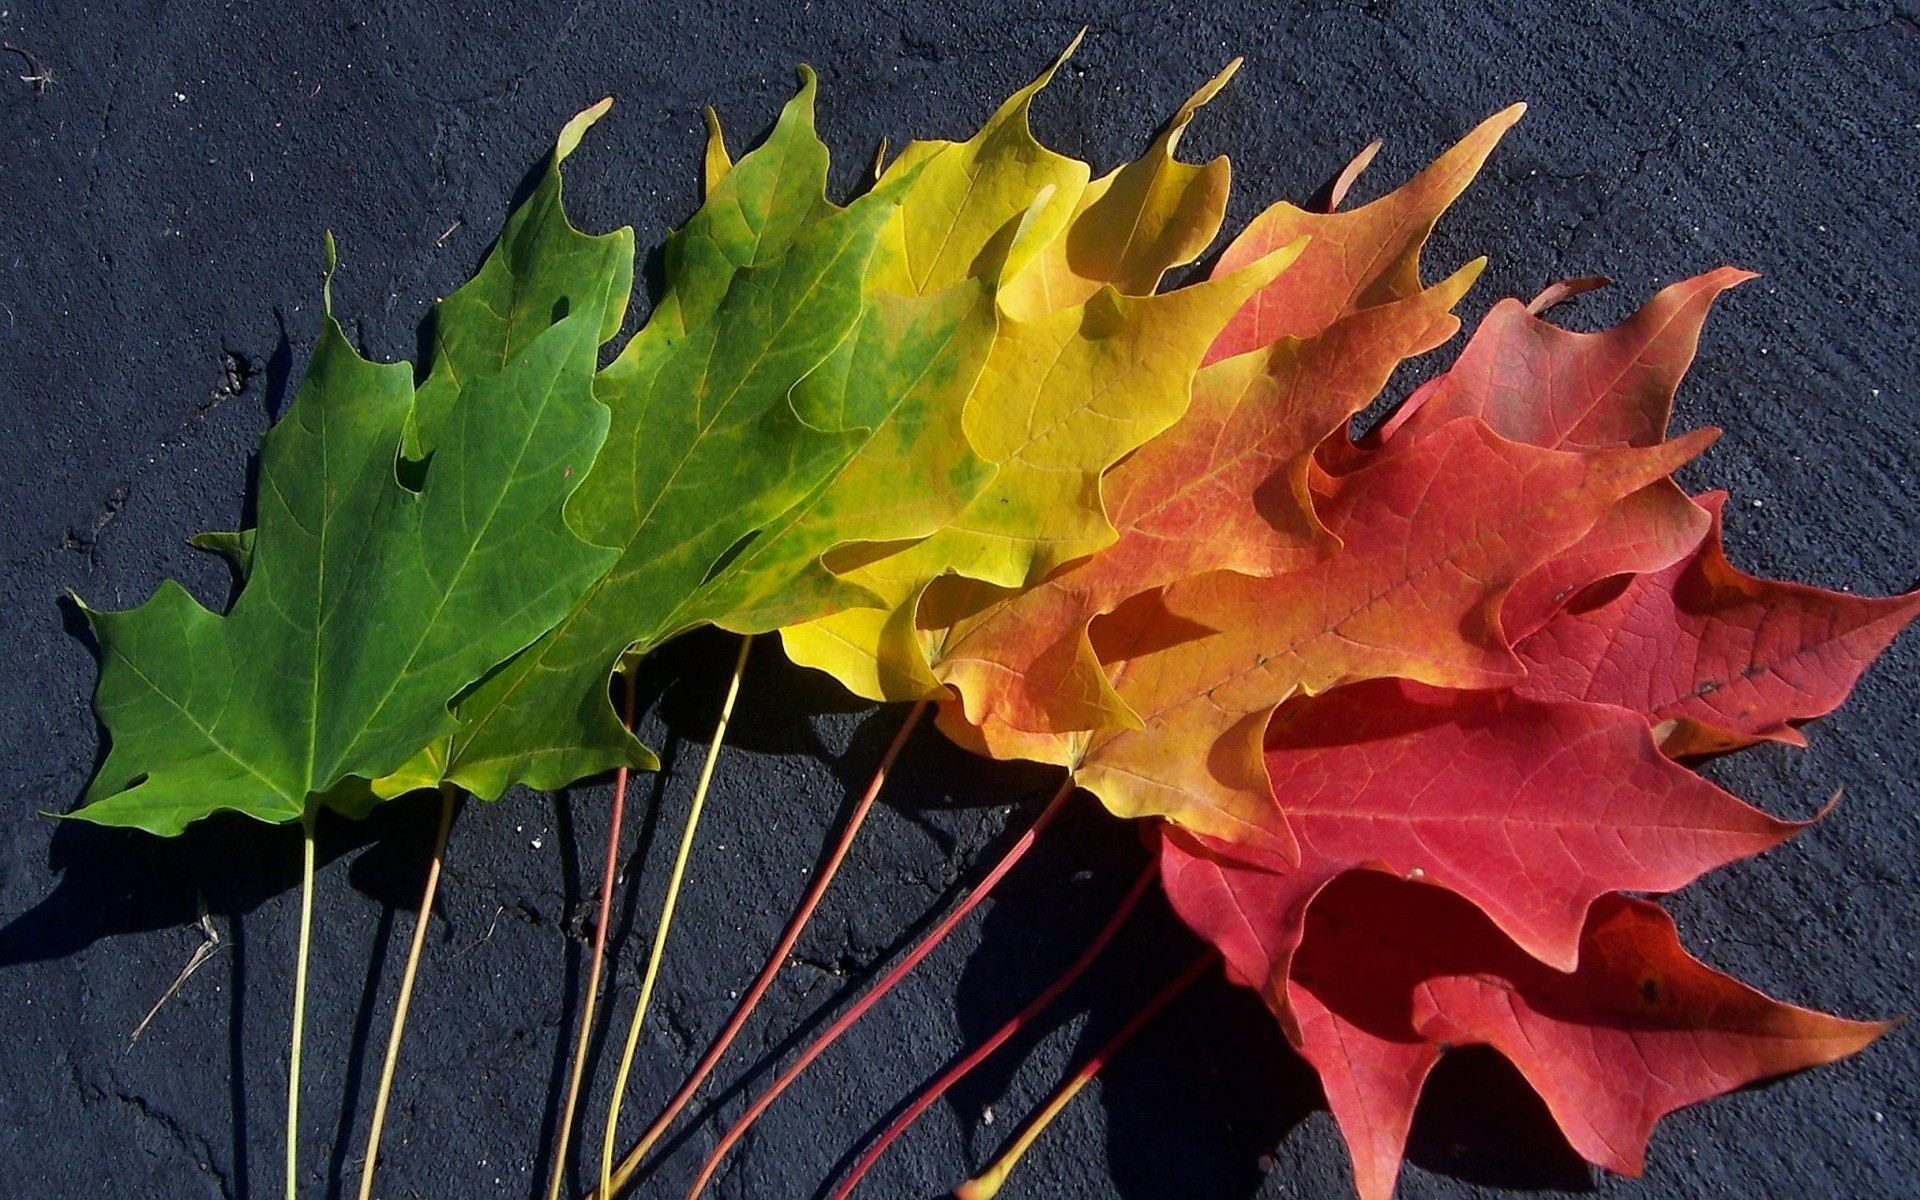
{"x": 161, "y": 204}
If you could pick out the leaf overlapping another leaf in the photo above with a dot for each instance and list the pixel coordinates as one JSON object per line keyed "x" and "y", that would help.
{"x": 1391, "y": 974}
{"x": 1414, "y": 593}
{"x": 1226, "y": 489}
{"x": 1486, "y": 631}
{"x": 1088, "y": 363}
{"x": 1356, "y": 258}
{"x": 738, "y": 410}
{"x": 1532, "y": 811}
{"x": 1224, "y": 497}
{"x": 1517, "y": 813}
{"x": 1715, "y": 658}
{"x": 1537, "y": 383}
{"x": 1408, "y": 709}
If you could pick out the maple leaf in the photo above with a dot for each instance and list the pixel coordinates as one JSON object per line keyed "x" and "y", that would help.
{"x": 369, "y": 603}
{"x": 900, "y": 380}
{"x": 996, "y": 224}
{"x": 1518, "y": 815}
{"x": 1435, "y": 531}
{"x": 717, "y": 437}
{"x": 1228, "y": 487}
{"x": 1225, "y": 489}
{"x": 1530, "y": 810}
{"x": 1391, "y": 974}
{"x": 1030, "y": 679}
{"x": 1084, "y": 367}
{"x": 1716, "y": 658}
{"x": 1354, "y": 259}
{"x": 1535, "y": 382}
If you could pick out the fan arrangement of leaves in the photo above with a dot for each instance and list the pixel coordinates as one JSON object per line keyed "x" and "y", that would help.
{"x": 1407, "y": 716}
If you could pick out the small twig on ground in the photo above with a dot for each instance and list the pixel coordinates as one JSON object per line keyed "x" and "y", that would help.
{"x": 483, "y": 939}
{"x": 38, "y": 75}
{"x": 210, "y": 942}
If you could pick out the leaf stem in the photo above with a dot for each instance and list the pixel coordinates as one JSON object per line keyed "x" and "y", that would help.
{"x": 299, "y": 1003}
{"x": 988, "y": 1183}
{"x": 564, "y": 1134}
{"x": 666, "y": 919}
{"x": 924, "y": 947}
{"x": 447, "y": 796}
{"x": 630, "y": 1164}
{"x": 984, "y": 1050}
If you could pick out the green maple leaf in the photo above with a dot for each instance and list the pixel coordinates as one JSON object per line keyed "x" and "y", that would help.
{"x": 754, "y": 420}
{"x": 539, "y": 270}
{"x": 379, "y": 585}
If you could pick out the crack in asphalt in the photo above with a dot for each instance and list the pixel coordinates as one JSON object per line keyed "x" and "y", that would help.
{"x": 197, "y": 1145}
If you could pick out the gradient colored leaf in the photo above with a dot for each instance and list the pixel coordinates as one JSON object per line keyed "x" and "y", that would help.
{"x": 1435, "y": 531}
{"x": 1392, "y": 974}
{"x": 897, "y": 381}
{"x": 370, "y": 603}
{"x": 1228, "y": 488}
{"x": 1225, "y": 489}
{"x": 1717, "y": 658}
{"x": 1535, "y": 382}
{"x": 1081, "y": 373}
{"x": 715, "y": 438}
{"x": 1362, "y": 257}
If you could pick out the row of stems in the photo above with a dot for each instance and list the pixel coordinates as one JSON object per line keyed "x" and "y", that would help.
{"x": 612, "y": 1180}
{"x": 630, "y": 1162}
{"x": 980, "y": 1053}
{"x": 563, "y": 1135}
{"x": 659, "y": 950}
{"x": 886, "y": 984}
{"x": 382, "y": 1094}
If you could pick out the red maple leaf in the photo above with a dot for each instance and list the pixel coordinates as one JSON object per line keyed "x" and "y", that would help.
{"x": 1531, "y": 810}
{"x": 1717, "y": 658}
{"x": 1461, "y": 853}
{"x": 1392, "y": 974}
{"x": 1535, "y": 382}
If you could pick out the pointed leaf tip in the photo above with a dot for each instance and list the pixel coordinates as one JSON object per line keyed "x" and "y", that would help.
{"x": 1350, "y": 174}
{"x": 85, "y": 610}
{"x": 1212, "y": 87}
{"x": 1263, "y": 270}
{"x": 575, "y": 129}
{"x": 1169, "y": 140}
{"x": 717, "y": 161}
{"x": 330, "y": 257}
{"x": 1026, "y": 94}
{"x": 1562, "y": 290}
{"x": 1071, "y": 47}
